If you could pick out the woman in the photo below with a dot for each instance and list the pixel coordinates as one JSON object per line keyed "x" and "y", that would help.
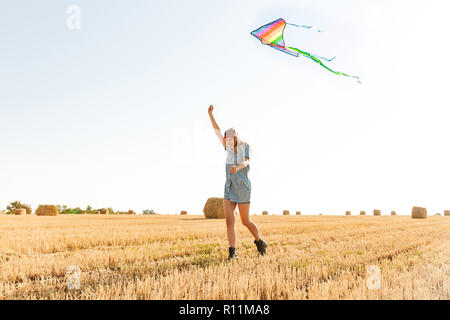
{"x": 237, "y": 186}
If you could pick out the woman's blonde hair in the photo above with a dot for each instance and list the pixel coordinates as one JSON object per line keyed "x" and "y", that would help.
{"x": 232, "y": 132}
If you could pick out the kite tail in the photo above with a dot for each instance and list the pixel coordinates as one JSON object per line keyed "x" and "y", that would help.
{"x": 318, "y": 30}
{"x": 307, "y": 27}
{"x": 308, "y": 55}
{"x": 323, "y": 58}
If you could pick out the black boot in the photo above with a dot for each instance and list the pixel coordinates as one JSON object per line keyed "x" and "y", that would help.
{"x": 261, "y": 245}
{"x": 232, "y": 253}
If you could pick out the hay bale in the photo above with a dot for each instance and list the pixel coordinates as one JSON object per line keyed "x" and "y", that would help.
{"x": 265, "y": 213}
{"x": 447, "y": 213}
{"x": 213, "y": 208}
{"x": 131, "y": 212}
{"x": 393, "y": 213}
{"x": 285, "y": 212}
{"x": 104, "y": 211}
{"x": 320, "y": 214}
{"x": 29, "y": 211}
{"x": 183, "y": 212}
{"x": 362, "y": 213}
{"x": 20, "y": 212}
{"x": 419, "y": 213}
{"x": 377, "y": 212}
{"x": 348, "y": 213}
{"x": 47, "y": 210}
{"x": 437, "y": 214}
{"x": 298, "y": 213}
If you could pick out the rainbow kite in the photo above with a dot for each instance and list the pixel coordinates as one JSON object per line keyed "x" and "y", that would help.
{"x": 272, "y": 34}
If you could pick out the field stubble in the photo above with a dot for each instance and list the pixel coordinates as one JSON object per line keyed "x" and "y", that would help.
{"x": 173, "y": 257}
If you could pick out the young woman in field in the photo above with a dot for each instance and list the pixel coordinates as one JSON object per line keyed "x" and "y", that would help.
{"x": 237, "y": 186}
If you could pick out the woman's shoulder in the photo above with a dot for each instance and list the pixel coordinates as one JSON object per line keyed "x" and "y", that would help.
{"x": 245, "y": 148}
{"x": 244, "y": 143}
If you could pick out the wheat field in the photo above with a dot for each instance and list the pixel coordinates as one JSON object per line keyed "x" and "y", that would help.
{"x": 184, "y": 257}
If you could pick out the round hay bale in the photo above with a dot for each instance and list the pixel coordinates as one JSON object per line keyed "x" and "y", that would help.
{"x": 104, "y": 211}
{"x": 131, "y": 212}
{"x": 47, "y": 210}
{"x": 183, "y": 212}
{"x": 285, "y": 212}
{"x": 320, "y": 214}
{"x": 362, "y": 213}
{"x": 265, "y": 213}
{"x": 213, "y": 208}
{"x": 348, "y": 213}
{"x": 437, "y": 214}
{"x": 377, "y": 212}
{"x": 298, "y": 213}
{"x": 20, "y": 212}
{"x": 393, "y": 213}
{"x": 447, "y": 213}
{"x": 419, "y": 213}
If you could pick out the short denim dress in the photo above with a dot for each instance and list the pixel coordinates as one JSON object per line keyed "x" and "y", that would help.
{"x": 237, "y": 186}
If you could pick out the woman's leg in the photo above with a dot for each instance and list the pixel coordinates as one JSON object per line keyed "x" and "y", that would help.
{"x": 228, "y": 208}
{"x": 244, "y": 209}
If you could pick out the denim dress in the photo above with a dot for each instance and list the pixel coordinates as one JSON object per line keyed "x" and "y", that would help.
{"x": 237, "y": 186}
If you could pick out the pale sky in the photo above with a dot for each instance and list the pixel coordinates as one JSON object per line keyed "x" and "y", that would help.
{"x": 115, "y": 114}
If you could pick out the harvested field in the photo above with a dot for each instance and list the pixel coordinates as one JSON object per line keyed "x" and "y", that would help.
{"x": 184, "y": 257}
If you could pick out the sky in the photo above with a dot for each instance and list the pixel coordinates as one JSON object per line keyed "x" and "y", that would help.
{"x": 114, "y": 114}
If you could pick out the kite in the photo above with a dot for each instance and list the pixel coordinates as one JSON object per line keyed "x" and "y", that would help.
{"x": 272, "y": 34}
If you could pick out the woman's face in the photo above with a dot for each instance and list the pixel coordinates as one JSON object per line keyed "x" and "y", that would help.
{"x": 229, "y": 140}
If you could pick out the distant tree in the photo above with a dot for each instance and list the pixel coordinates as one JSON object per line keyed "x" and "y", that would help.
{"x": 62, "y": 209}
{"x": 148, "y": 212}
{"x": 17, "y": 205}
{"x": 89, "y": 210}
{"x": 65, "y": 210}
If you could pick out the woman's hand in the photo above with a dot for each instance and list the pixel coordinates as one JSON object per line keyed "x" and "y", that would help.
{"x": 233, "y": 169}
{"x": 210, "y": 109}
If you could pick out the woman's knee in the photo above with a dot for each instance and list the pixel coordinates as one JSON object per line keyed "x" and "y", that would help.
{"x": 230, "y": 221}
{"x": 246, "y": 222}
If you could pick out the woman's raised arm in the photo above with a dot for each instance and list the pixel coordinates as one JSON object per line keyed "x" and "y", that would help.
{"x": 215, "y": 126}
